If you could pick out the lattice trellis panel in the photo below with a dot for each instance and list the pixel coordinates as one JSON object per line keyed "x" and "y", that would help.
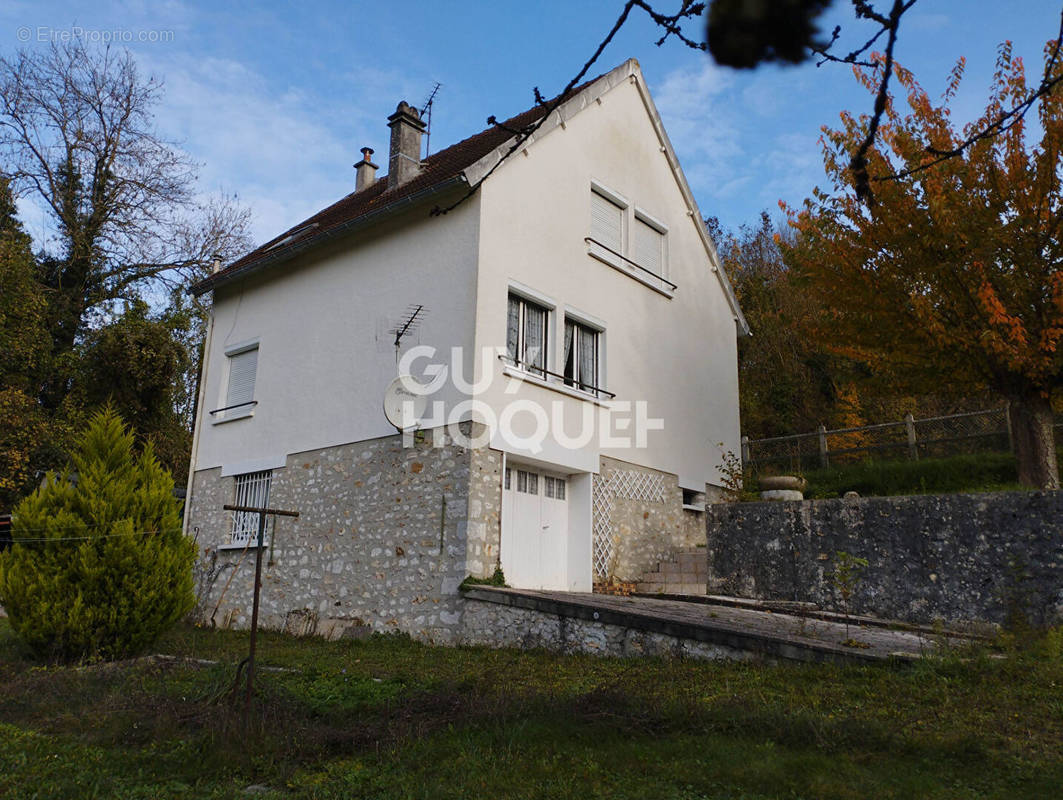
{"x": 602, "y": 549}
{"x": 626, "y": 483}
{"x": 637, "y": 485}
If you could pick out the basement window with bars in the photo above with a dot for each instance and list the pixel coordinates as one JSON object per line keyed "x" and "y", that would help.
{"x": 252, "y": 489}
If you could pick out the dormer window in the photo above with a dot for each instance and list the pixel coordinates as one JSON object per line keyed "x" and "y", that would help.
{"x": 298, "y": 233}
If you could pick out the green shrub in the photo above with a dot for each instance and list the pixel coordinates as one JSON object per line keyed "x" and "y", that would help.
{"x": 99, "y": 566}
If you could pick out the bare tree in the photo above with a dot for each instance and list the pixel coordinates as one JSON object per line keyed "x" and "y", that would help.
{"x": 77, "y": 134}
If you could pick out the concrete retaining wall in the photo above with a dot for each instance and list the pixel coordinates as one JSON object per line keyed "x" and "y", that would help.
{"x": 493, "y": 624}
{"x": 986, "y": 557}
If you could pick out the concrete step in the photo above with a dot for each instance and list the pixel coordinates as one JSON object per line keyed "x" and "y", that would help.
{"x": 685, "y": 572}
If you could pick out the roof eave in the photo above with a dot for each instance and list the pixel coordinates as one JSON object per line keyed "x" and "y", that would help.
{"x": 289, "y": 252}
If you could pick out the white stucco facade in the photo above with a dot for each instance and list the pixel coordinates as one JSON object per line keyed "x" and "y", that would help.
{"x": 676, "y": 351}
{"x": 325, "y": 351}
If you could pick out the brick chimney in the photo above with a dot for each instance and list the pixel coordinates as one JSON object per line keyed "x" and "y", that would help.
{"x": 404, "y": 160}
{"x": 365, "y": 170}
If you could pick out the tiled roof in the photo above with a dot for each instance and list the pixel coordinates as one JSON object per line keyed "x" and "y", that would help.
{"x": 436, "y": 169}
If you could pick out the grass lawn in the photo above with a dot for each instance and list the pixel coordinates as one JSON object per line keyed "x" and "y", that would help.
{"x": 389, "y": 718}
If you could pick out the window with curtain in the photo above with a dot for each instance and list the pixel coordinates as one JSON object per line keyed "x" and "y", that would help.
{"x": 526, "y": 334}
{"x": 581, "y": 356}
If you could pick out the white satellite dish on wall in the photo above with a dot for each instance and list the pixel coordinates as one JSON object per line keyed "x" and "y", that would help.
{"x": 405, "y": 402}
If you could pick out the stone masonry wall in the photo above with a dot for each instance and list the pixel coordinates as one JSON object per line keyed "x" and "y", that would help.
{"x": 484, "y": 530}
{"x": 641, "y": 509}
{"x": 494, "y": 625}
{"x": 981, "y": 557}
{"x": 385, "y": 536}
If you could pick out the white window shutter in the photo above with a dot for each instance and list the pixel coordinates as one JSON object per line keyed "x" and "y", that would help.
{"x": 242, "y": 369}
{"x": 607, "y": 223}
{"x": 649, "y": 247}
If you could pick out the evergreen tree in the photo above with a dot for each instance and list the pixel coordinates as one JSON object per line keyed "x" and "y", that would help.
{"x": 99, "y": 566}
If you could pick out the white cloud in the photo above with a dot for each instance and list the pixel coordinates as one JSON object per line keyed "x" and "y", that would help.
{"x": 697, "y": 107}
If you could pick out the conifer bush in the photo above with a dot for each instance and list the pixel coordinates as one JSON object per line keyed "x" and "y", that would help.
{"x": 99, "y": 566}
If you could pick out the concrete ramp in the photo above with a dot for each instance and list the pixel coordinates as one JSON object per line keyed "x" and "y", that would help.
{"x": 629, "y": 626}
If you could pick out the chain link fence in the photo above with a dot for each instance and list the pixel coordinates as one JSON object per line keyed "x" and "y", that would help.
{"x": 932, "y": 437}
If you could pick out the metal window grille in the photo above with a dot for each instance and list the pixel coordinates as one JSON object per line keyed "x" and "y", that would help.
{"x": 252, "y": 489}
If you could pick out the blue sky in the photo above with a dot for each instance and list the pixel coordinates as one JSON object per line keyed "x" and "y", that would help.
{"x": 274, "y": 100}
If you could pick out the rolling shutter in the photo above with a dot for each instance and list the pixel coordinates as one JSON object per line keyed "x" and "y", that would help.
{"x": 242, "y": 369}
{"x": 649, "y": 247}
{"x": 607, "y": 222}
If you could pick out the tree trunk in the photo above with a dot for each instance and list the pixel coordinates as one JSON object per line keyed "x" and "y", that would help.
{"x": 1030, "y": 417}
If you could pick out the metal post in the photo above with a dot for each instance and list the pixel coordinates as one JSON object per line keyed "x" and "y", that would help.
{"x": 1007, "y": 423}
{"x": 909, "y": 426}
{"x": 746, "y": 455}
{"x": 824, "y": 456}
{"x": 262, "y": 514}
{"x": 254, "y": 616}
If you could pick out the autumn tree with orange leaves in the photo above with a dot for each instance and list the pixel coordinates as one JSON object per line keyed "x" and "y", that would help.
{"x": 953, "y": 275}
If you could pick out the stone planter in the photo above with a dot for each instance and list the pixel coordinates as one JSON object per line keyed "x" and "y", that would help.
{"x": 782, "y": 487}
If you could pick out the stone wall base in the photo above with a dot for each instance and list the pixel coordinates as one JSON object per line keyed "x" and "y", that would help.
{"x": 494, "y": 625}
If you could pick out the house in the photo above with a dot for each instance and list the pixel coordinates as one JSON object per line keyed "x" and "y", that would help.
{"x": 567, "y": 340}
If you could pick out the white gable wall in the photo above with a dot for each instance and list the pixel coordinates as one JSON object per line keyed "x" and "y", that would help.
{"x": 325, "y": 357}
{"x": 677, "y": 354}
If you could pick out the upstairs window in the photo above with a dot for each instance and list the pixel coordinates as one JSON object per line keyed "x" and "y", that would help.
{"x": 628, "y": 238}
{"x": 607, "y": 222}
{"x": 526, "y": 334}
{"x": 243, "y": 367}
{"x": 581, "y": 356}
{"x": 648, "y": 247}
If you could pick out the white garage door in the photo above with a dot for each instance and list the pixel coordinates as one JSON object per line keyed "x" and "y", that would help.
{"x": 534, "y": 529}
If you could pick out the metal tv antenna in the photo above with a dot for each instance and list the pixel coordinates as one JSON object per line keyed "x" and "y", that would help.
{"x": 426, "y": 109}
{"x": 410, "y": 321}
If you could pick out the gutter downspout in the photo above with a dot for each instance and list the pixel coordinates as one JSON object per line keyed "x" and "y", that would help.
{"x": 197, "y": 425}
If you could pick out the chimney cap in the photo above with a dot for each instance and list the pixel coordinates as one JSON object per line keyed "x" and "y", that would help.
{"x": 367, "y": 153}
{"x": 404, "y": 112}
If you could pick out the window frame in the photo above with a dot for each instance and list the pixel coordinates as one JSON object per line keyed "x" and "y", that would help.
{"x": 518, "y": 355}
{"x": 594, "y": 387}
{"x": 624, "y": 259}
{"x": 227, "y": 412}
{"x": 249, "y": 489}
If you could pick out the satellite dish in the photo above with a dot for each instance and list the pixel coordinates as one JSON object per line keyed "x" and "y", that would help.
{"x": 405, "y": 402}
